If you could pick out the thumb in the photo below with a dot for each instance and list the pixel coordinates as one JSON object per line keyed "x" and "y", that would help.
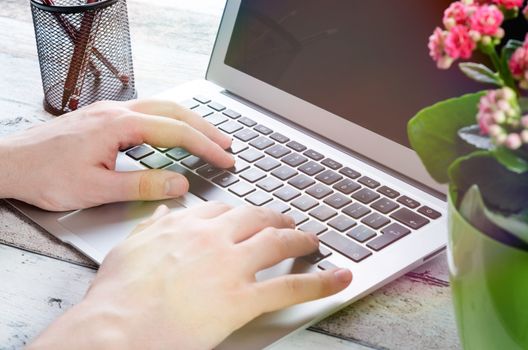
{"x": 147, "y": 185}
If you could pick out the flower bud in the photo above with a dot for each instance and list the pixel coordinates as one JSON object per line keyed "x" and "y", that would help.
{"x": 513, "y": 141}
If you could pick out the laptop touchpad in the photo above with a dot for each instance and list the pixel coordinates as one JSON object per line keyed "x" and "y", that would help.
{"x": 104, "y": 227}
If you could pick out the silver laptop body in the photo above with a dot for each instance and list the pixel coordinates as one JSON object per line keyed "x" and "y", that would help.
{"x": 389, "y": 163}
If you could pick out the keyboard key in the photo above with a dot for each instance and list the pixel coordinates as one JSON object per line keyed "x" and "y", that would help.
{"x": 280, "y": 138}
{"x": 239, "y": 166}
{"x": 411, "y": 203}
{"x": 278, "y": 151}
{"x": 365, "y": 195}
{"x": 261, "y": 143}
{"x": 232, "y": 114}
{"x": 301, "y": 181}
{"x": 247, "y": 121}
{"x": 225, "y": 179}
{"x": 202, "y": 99}
{"x": 259, "y": 198}
{"x": 341, "y": 223}
{"x": 253, "y": 175}
{"x": 389, "y": 192}
{"x": 345, "y": 246}
{"x": 246, "y": 135}
{"x": 313, "y": 227}
{"x": 216, "y": 106}
{"x": 319, "y": 191}
{"x": 346, "y": 186}
{"x": 269, "y": 184}
{"x": 337, "y": 200}
{"x": 267, "y": 164}
{"x": 203, "y": 111}
{"x": 409, "y": 218}
{"x": 296, "y": 146}
{"x": 356, "y": 210}
{"x": 278, "y": 206}
{"x": 311, "y": 168}
{"x": 156, "y": 161}
{"x": 326, "y": 265}
{"x": 251, "y": 155}
{"x": 332, "y": 164}
{"x": 139, "y": 152}
{"x": 284, "y": 172}
{"x": 304, "y": 203}
{"x": 263, "y": 129}
{"x": 203, "y": 188}
{"x": 208, "y": 171}
{"x": 391, "y": 234}
{"x": 297, "y": 216}
{"x": 193, "y": 162}
{"x": 318, "y": 255}
{"x": 237, "y": 147}
{"x": 367, "y": 181}
{"x": 178, "y": 153}
{"x": 294, "y": 160}
{"x": 313, "y": 154}
{"x": 329, "y": 177}
{"x": 241, "y": 188}
{"x": 216, "y": 119}
{"x": 375, "y": 221}
{"x": 350, "y": 173}
{"x": 384, "y": 205}
{"x": 429, "y": 212}
{"x": 287, "y": 193}
{"x": 323, "y": 213}
{"x": 189, "y": 104}
{"x": 230, "y": 127}
{"x": 361, "y": 233}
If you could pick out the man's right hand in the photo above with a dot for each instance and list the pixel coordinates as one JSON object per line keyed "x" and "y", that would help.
{"x": 186, "y": 280}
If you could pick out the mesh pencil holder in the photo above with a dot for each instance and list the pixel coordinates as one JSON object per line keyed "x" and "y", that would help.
{"x": 84, "y": 52}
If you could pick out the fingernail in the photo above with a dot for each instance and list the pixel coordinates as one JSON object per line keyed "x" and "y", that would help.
{"x": 175, "y": 187}
{"x": 160, "y": 211}
{"x": 343, "y": 276}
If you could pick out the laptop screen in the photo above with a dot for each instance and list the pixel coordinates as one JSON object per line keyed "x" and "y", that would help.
{"x": 365, "y": 61}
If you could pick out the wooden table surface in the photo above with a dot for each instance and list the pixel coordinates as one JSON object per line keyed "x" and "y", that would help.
{"x": 40, "y": 277}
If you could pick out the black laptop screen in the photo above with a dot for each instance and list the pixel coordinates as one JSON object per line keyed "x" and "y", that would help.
{"x": 365, "y": 61}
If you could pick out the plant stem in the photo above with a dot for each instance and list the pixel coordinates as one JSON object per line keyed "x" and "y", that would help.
{"x": 497, "y": 63}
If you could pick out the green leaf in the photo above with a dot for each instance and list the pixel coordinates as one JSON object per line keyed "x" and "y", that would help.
{"x": 506, "y": 53}
{"x": 512, "y": 230}
{"x": 503, "y": 190}
{"x": 472, "y": 136}
{"x": 511, "y": 160}
{"x": 433, "y": 132}
{"x": 480, "y": 73}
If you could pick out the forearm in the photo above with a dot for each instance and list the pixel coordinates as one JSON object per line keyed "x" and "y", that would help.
{"x": 7, "y": 169}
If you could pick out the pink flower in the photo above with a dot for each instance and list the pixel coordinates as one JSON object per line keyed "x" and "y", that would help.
{"x": 509, "y": 4}
{"x": 518, "y": 64}
{"x": 457, "y": 13}
{"x": 458, "y": 43}
{"x": 487, "y": 20}
{"x": 437, "y": 49}
{"x": 525, "y": 12}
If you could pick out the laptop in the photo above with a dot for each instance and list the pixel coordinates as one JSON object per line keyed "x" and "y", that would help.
{"x": 316, "y": 95}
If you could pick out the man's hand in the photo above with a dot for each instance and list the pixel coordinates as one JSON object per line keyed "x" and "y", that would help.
{"x": 69, "y": 162}
{"x": 186, "y": 280}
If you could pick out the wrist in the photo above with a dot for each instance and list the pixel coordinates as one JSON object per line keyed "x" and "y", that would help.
{"x": 7, "y": 169}
{"x": 85, "y": 326}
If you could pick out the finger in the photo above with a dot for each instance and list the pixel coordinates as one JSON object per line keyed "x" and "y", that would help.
{"x": 245, "y": 221}
{"x": 160, "y": 212}
{"x": 166, "y": 132}
{"x": 284, "y": 291}
{"x": 164, "y": 108}
{"x": 205, "y": 210}
{"x": 147, "y": 185}
{"x": 271, "y": 246}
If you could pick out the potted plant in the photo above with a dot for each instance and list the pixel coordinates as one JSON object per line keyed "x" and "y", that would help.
{"x": 478, "y": 144}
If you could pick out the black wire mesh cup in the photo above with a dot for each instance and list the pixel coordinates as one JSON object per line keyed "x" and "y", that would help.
{"x": 84, "y": 52}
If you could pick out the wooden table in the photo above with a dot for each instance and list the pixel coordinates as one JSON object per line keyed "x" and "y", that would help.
{"x": 40, "y": 277}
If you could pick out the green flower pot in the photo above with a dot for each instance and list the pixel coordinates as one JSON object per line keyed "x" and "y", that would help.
{"x": 489, "y": 282}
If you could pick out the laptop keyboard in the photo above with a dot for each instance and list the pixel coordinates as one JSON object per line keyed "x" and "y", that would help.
{"x": 353, "y": 214}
